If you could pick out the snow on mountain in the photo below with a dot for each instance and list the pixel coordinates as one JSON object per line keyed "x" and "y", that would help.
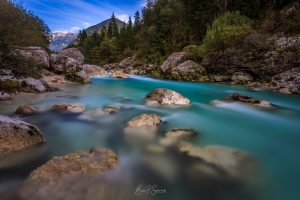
{"x": 60, "y": 40}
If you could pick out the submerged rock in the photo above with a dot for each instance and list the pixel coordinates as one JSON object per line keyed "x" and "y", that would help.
{"x": 94, "y": 114}
{"x": 180, "y": 133}
{"x": 119, "y": 74}
{"x": 166, "y": 97}
{"x": 144, "y": 121}
{"x": 16, "y": 135}
{"x": 249, "y": 100}
{"x": 143, "y": 125}
{"x": 97, "y": 160}
{"x": 237, "y": 163}
{"x": 71, "y": 107}
{"x": 26, "y": 109}
{"x": 5, "y": 96}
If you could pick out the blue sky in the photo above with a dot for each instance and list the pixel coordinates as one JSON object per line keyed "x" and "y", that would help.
{"x": 73, "y": 15}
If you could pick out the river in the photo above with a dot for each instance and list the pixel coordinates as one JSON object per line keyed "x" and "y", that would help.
{"x": 271, "y": 135}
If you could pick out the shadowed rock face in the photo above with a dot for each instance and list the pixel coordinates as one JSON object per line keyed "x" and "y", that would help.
{"x": 16, "y": 135}
{"x": 173, "y": 60}
{"x": 166, "y": 97}
{"x": 38, "y": 54}
{"x": 72, "y": 53}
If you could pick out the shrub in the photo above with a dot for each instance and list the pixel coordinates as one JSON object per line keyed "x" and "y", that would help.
{"x": 193, "y": 52}
{"x": 225, "y": 32}
{"x": 20, "y": 65}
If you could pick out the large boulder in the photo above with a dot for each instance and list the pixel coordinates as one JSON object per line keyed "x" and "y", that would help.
{"x": 189, "y": 71}
{"x": 34, "y": 85}
{"x": 16, "y": 135}
{"x": 38, "y": 54}
{"x": 75, "y": 176}
{"x": 93, "y": 70}
{"x": 96, "y": 160}
{"x": 72, "y": 53}
{"x": 162, "y": 96}
{"x": 235, "y": 162}
{"x": 174, "y": 60}
{"x": 129, "y": 62}
{"x": 71, "y": 107}
{"x": 69, "y": 62}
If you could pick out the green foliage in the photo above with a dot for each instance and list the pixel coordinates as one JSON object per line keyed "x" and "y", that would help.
{"x": 20, "y": 65}
{"x": 225, "y": 32}
{"x": 19, "y": 27}
{"x": 193, "y": 52}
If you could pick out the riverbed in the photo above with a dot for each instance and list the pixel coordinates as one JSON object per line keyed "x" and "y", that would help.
{"x": 271, "y": 135}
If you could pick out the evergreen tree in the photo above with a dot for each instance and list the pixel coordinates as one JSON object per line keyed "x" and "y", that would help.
{"x": 82, "y": 35}
{"x": 129, "y": 34}
{"x": 137, "y": 22}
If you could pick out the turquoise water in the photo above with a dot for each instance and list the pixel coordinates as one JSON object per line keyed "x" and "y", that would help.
{"x": 272, "y": 135}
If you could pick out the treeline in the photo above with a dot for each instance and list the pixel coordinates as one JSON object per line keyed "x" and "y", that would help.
{"x": 166, "y": 26}
{"x": 111, "y": 44}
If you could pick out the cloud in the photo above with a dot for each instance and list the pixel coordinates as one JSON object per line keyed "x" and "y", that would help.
{"x": 123, "y": 17}
{"x": 74, "y": 29}
{"x": 86, "y": 24}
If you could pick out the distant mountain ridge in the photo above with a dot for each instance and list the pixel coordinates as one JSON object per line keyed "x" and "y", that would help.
{"x": 60, "y": 40}
{"x": 97, "y": 28}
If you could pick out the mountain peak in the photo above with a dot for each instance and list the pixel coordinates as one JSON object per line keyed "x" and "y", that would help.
{"x": 97, "y": 28}
{"x": 60, "y": 40}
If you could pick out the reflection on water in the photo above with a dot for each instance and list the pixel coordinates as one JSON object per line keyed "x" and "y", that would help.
{"x": 272, "y": 135}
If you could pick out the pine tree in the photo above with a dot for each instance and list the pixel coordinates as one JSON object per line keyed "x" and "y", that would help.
{"x": 129, "y": 34}
{"x": 114, "y": 26}
{"x": 82, "y": 35}
{"x": 137, "y": 22}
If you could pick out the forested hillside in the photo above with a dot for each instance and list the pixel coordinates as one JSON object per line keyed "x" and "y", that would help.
{"x": 20, "y": 28}
{"x": 166, "y": 26}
